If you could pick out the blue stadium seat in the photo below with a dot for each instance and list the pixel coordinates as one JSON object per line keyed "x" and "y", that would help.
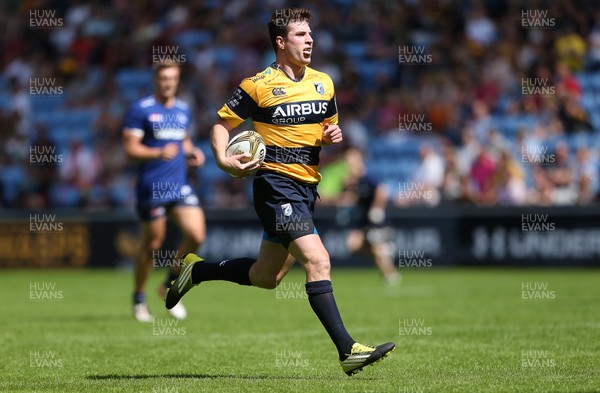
{"x": 192, "y": 38}
{"x": 225, "y": 56}
{"x": 509, "y": 126}
{"x": 4, "y": 101}
{"x": 69, "y": 124}
{"x": 133, "y": 78}
{"x": 369, "y": 70}
{"x": 47, "y": 104}
{"x": 589, "y": 101}
{"x": 12, "y": 179}
{"x": 594, "y": 80}
{"x": 595, "y": 119}
{"x": 355, "y": 49}
{"x": 584, "y": 80}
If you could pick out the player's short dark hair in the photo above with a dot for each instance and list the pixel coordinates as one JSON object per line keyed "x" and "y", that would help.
{"x": 157, "y": 67}
{"x": 279, "y": 23}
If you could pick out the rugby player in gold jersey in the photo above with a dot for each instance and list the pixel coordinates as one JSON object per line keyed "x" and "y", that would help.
{"x": 293, "y": 107}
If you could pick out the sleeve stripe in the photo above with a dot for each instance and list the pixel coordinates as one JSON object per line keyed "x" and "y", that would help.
{"x": 134, "y": 131}
{"x": 331, "y": 108}
{"x": 242, "y": 104}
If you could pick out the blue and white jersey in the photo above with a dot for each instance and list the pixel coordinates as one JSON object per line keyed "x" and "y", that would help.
{"x": 160, "y": 181}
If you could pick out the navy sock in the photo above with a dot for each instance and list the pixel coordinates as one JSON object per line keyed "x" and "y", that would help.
{"x": 320, "y": 297}
{"x": 234, "y": 270}
{"x": 171, "y": 276}
{"x": 139, "y": 297}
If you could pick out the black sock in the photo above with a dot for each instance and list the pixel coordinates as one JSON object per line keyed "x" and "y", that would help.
{"x": 234, "y": 270}
{"x": 171, "y": 276}
{"x": 139, "y": 297}
{"x": 320, "y": 297}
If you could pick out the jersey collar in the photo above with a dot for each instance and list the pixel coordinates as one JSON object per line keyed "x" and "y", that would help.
{"x": 276, "y": 66}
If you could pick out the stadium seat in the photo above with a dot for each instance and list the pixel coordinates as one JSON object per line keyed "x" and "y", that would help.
{"x": 4, "y": 101}
{"x": 589, "y": 100}
{"x": 594, "y": 80}
{"x": 355, "y": 49}
{"x": 133, "y": 78}
{"x": 12, "y": 179}
{"x": 191, "y": 38}
{"x": 369, "y": 70}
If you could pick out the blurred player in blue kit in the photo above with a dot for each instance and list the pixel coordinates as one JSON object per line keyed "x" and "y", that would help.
{"x": 155, "y": 133}
{"x": 293, "y": 107}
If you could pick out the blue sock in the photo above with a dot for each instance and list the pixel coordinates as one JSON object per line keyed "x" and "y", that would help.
{"x": 139, "y": 297}
{"x": 320, "y": 297}
{"x": 234, "y": 270}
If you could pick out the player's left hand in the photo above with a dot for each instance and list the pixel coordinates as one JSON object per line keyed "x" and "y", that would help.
{"x": 196, "y": 158}
{"x": 332, "y": 133}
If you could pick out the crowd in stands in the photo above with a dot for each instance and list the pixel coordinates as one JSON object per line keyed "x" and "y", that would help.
{"x": 478, "y": 102}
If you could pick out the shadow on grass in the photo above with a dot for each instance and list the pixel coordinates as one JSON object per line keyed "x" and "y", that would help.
{"x": 208, "y": 376}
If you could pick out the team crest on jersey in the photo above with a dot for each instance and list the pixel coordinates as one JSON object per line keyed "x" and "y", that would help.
{"x": 286, "y": 208}
{"x": 319, "y": 88}
{"x": 278, "y": 91}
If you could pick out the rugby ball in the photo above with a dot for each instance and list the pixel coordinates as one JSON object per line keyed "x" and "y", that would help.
{"x": 247, "y": 142}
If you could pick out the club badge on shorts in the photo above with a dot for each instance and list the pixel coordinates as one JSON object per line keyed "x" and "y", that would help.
{"x": 286, "y": 208}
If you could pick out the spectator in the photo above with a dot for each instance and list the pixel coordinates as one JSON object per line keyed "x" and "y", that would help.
{"x": 430, "y": 174}
{"x": 508, "y": 183}
{"x": 81, "y": 166}
{"x": 482, "y": 173}
{"x": 560, "y": 175}
{"x": 479, "y": 28}
{"x": 585, "y": 176}
{"x": 571, "y": 48}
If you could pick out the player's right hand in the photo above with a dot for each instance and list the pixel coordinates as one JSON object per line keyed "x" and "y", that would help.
{"x": 239, "y": 166}
{"x": 169, "y": 151}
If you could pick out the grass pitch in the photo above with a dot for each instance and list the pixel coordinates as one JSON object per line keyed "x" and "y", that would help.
{"x": 455, "y": 330}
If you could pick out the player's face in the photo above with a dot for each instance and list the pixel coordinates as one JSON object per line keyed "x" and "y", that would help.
{"x": 166, "y": 82}
{"x": 299, "y": 42}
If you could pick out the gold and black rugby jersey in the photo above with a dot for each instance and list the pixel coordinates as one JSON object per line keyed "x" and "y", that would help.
{"x": 289, "y": 115}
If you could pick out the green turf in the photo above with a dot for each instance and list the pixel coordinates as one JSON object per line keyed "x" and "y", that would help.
{"x": 462, "y": 331}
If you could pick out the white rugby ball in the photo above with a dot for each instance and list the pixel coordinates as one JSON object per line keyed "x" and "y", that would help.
{"x": 247, "y": 142}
